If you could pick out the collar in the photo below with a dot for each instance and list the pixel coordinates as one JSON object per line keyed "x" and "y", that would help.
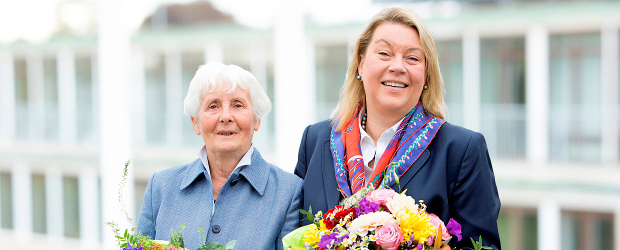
{"x": 389, "y": 132}
{"x": 246, "y": 160}
{"x": 257, "y": 173}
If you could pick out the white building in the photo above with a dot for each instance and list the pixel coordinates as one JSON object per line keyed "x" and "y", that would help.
{"x": 540, "y": 80}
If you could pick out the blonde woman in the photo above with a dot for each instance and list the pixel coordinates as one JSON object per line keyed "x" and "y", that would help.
{"x": 390, "y": 121}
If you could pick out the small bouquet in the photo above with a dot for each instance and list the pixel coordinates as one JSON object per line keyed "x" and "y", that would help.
{"x": 375, "y": 219}
{"x": 129, "y": 241}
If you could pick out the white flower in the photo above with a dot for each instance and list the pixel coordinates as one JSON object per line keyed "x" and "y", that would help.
{"x": 401, "y": 203}
{"x": 369, "y": 222}
{"x": 357, "y": 197}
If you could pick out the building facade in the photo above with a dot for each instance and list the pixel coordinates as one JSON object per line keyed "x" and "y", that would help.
{"x": 540, "y": 81}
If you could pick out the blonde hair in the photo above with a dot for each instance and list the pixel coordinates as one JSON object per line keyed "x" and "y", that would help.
{"x": 352, "y": 91}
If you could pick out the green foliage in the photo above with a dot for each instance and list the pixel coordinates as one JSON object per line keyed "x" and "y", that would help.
{"x": 144, "y": 241}
{"x": 397, "y": 182}
{"x": 176, "y": 241}
{"x": 385, "y": 172}
{"x": 310, "y": 216}
{"x": 216, "y": 246}
{"x": 121, "y": 200}
{"x": 478, "y": 244}
{"x": 122, "y": 239}
{"x": 177, "y": 237}
{"x": 116, "y": 232}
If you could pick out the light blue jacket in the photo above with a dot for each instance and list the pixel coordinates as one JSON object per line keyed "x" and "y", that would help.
{"x": 257, "y": 207}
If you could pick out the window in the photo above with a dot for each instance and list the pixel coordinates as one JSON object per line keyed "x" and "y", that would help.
{"x": 331, "y": 69}
{"x": 574, "y": 93}
{"x": 502, "y": 94}
{"x": 450, "y": 55}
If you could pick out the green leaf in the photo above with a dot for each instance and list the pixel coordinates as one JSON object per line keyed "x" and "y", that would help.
{"x": 124, "y": 244}
{"x": 209, "y": 246}
{"x": 295, "y": 238}
{"x": 177, "y": 237}
{"x": 231, "y": 245}
{"x": 309, "y": 215}
{"x": 397, "y": 182}
{"x": 126, "y": 234}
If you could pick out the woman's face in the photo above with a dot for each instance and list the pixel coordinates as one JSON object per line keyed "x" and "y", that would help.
{"x": 392, "y": 69}
{"x": 226, "y": 121}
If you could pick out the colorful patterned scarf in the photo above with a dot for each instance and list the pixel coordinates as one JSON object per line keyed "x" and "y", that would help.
{"x": 412, "y": 137}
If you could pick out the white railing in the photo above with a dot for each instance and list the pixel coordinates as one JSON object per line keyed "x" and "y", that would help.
{"x": 503, "y": 126}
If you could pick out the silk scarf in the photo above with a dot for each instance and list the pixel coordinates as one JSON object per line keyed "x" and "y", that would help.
{"x": 414, "y": 134}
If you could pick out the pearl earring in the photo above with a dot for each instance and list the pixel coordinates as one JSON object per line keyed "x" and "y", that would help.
{"x": 425, "y": 87}
{"x": 359, "y": 78}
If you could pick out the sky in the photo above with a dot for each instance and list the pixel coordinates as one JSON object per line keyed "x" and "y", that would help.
{"x": 35, "y": 20}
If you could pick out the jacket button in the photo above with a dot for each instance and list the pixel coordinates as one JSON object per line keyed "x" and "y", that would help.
{"x": 216, "y": 229}
{"x": 233, "y": 182}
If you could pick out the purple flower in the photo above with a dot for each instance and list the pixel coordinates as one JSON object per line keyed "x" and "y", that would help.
{"x": 128, "y": 247}
{"x": 411, "y": 240}
{"x": 331, "y": 240}
{"x": 420, "y": 246}
{"x": 454, "y": 228}
{"x": 366, "y": 207}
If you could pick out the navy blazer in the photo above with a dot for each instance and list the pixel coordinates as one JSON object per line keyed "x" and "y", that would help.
{"x": 256, "y": 207}
{"x": 453, "y": 176}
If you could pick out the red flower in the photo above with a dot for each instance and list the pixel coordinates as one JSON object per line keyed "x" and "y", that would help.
{"x": 336, "y": 215}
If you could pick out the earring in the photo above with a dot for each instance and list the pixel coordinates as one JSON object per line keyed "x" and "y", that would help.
{"x": 425, "y": 87}
{"x": 359, "y": 78}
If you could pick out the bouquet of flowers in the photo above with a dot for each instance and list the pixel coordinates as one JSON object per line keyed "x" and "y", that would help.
{"x": 375, "y": 219}
{"x": 129, "y": 241}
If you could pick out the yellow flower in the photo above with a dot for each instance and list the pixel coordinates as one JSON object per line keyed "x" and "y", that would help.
{"x": 323, "y": 226}
{"x": 312, "y": 237}
{"x": 314, "y": 234}
{"x": 417, "y": 224}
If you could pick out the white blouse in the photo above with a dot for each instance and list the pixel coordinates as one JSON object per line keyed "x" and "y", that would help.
{"x": 370, "y": 150}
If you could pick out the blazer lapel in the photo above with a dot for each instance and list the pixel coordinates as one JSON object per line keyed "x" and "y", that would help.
{"x": 199, "y": 199}
{"x": 413, "y": 170}
{"x": 329, "y": 177}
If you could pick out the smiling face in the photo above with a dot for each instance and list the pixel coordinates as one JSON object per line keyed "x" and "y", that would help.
{"x": 226, "y": 122}
{"x": 392, "y": 69}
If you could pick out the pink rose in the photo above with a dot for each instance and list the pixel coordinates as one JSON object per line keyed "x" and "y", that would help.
{"x": 381, "y": 196}
{"x": 438, "y": 222}
{"x": 389, "y": 236}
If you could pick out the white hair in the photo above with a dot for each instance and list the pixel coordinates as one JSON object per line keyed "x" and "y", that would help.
{"x": 215, "y": 76}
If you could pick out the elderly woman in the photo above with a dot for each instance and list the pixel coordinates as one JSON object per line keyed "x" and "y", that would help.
{"x": 229, "y": 192}
{"x": 390, "y": 120}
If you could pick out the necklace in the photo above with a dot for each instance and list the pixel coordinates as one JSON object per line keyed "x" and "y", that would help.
{"x": 364, "y": 122}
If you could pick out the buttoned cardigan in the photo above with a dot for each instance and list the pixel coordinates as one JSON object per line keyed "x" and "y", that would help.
{"x": 256, "y": 207}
